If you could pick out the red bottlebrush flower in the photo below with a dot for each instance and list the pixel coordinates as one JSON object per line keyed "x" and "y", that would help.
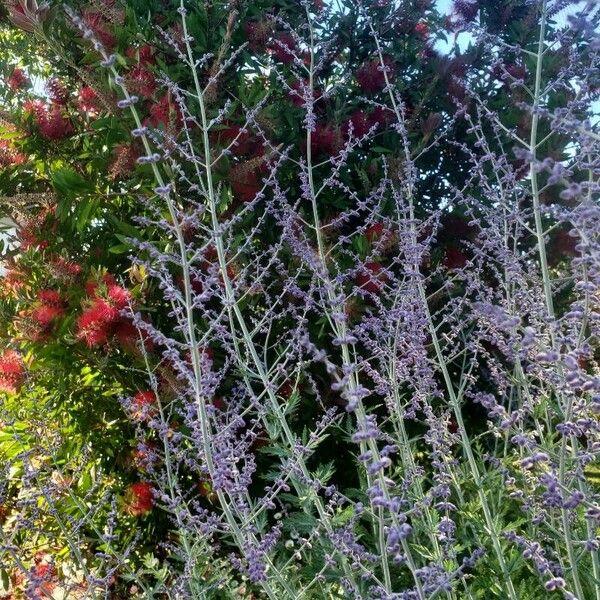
{"x": 46, "y": 314}
{"x": 43, "y": 580}
{"x": 53, "y": 124}
{"x": 286, "y": 389}
{"x": 87, "y": 99}
{"x": 12, "y": 372}
{"x": 144, "y": 54}
{"x": 140, "y": 499}
{"x": 34, "y": 107}
{"x": 124, "y": 162}
{"x": 509, "y": 71}
{"x": 57, "y": 91}
{"x": 9, "y": 156}
{"x": 128, "y": 337}
{"x": 360, "y": 124}
{"x": 166, "y": 113}
{"x": 144, "y": 455}
{"x": 561, "y": 245}
{"x": 50, "y": 297}
{"x": 17, "y": 79}
{"x": 325, "y": 139}
{"x": 218, "y": 403}
{"x": 372, "y": 278}
{"x": 299, "y": 91}
{"x": 14, "y": 280}
{"x": 466, "y": 9}
{"x": 374, "y": 232}
{"x": 381, "y": 116}
{"x": 142, "y": 81}
{"x": 283, "y": 47}
{"x": 94, "y": 324}
{"x": 455, "y": 226}
{"x": 381, "y": 236}
{"x": 63, "y": 269}
{"x": 246, "y": 180}
{"x": 144, "y": 405}
{"x": 95, "y": 21}
{"x": 92, "y": 286}
{"x": 422, "y": 29}
{"x": 257, "y": 33}
{"x": 28, "y": 237}
{"x": 371, "y": 77}
{"x": 454, "y": 258}
{"x": 118, "y": 296}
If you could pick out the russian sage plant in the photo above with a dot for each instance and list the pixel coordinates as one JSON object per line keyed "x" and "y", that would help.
{"x": 370, "y": 378}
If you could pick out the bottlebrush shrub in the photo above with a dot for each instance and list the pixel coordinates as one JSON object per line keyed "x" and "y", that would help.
{"x": 407, "y": 411}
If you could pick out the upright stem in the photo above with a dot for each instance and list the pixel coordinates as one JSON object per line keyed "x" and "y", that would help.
{"x": 547, "y": 286}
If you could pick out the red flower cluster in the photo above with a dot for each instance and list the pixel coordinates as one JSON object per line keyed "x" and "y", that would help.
{"x": 165, "y": 112}
{"x": 371, "y": 77}
{"x": 97, "y": 323}
{"x": 12, "y": 372}
{"x": 87, "y": 99}
{"x": 283, "y": 47}
{"x": 52, "y": 122}
{"x": 466, "y": 9}
{"x": 142, "y": 81}
{"x": 140, "y": 499}
{"x": 422, "y": 29}
{"x": 246, "y": 180}
{"x": 50, "y": 307}
{"x": 95, "y": 21}
{"x": 9, "y": 156}
{"x": 124, "y": 161}
{"x": 325, "y": 139}
{"x": 372, "y": 278}
{"x": 64, "y": 270}
{"x": 240, "y": 141}
{"x": 43, "y": 579}
{"x": 143, "y": 404}
{"x": 257, "y": 33}
{"x": 58, "y": 91}
{"x": 359, "y": 122}
{"x": 17, "y": 79}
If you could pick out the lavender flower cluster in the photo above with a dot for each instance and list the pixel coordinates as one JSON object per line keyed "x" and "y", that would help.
{"x": 365, "y": 420}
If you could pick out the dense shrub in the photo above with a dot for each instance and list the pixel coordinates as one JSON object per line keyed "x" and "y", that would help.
{"x": 300, "y": 300}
